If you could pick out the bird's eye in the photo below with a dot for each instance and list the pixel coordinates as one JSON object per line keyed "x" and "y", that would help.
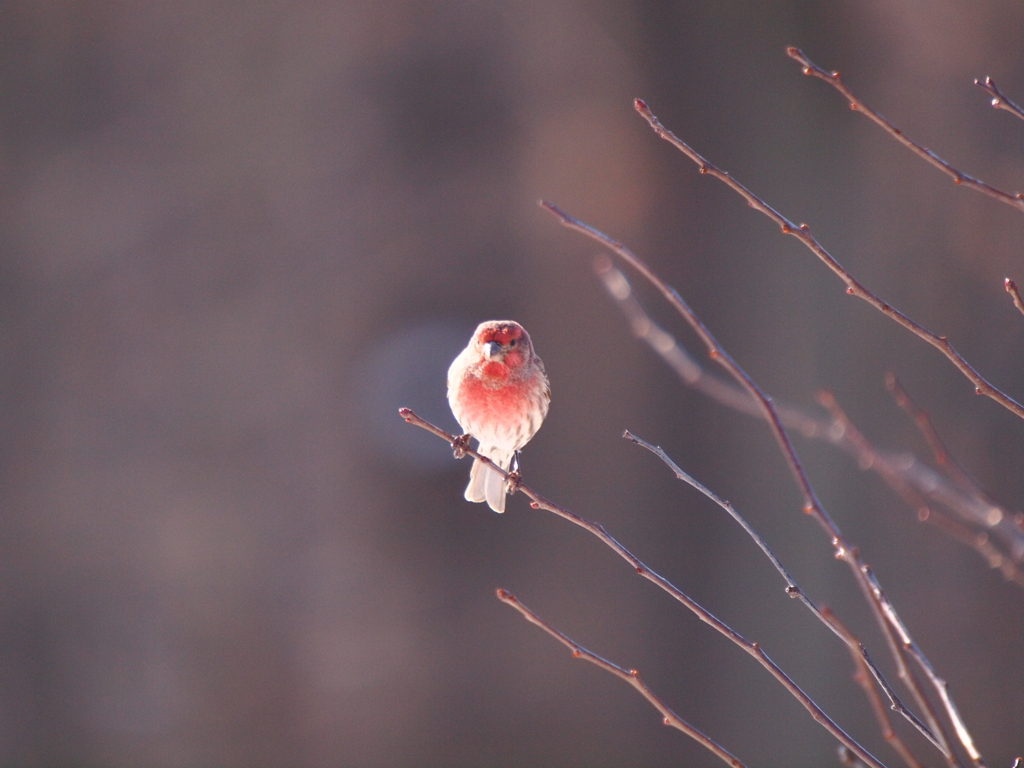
{"x": 512, "y": 343}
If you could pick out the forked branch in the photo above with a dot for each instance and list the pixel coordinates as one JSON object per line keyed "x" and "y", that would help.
{"x": 959, "y": 177}
{"x": 863, "y": 677}
{"x": 826, "y": 617}
{"x": 754, "y": 649}
{"x": 999, "y": 101}
{"x": 853, "y": 287}
{"x": 923, "y": 421}
{"x": 982, "y": 514}
{"x": 898, "y": 637}
{"x": 630, "y": 676}
{"x": 915, "y": 482}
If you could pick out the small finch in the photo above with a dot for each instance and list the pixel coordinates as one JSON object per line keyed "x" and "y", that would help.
{"x": 499, "y": 394}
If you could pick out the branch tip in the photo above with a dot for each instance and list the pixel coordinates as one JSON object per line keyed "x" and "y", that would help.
{"x": 999, "y": 100}
{"x": 632, "y": 677}
{"x": 1011, "y": 288}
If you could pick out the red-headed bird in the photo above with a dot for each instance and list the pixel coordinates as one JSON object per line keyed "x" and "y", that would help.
{"x": 499, "y": 393}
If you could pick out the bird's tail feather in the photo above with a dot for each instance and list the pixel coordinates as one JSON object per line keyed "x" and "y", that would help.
{"x": 484, "y": 483}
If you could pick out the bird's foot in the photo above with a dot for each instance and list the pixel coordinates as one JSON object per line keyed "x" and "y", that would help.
{"x": 512, "y": 481}
{"x": 459, "y": 446}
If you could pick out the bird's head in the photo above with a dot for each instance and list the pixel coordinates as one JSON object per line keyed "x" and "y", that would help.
{"x": 503, "y": 343}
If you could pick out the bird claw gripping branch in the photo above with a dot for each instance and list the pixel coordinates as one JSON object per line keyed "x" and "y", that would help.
{"x": 513, "y": 481}
{"x": 459, "y": 445}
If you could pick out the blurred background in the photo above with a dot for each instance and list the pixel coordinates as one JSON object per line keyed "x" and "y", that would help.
{"x": 236, "y": 237}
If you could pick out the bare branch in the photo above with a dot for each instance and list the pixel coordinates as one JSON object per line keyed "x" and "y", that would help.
{"x": 754, "y": 649}
{"x": 684, "y": 364}
{"x": 924, "y": 424}
{"x": 1011, "y": 288}
{"x": 905, "y": 643}
{"x": 908, "y": 646}
{"x": 999, "y": 101}
{"x": 853, "y": 287}
{"x": 980, "y": 541}
{"x": 984, "y": 513}
{"x": 912, "y": 480}
{"x": 715, "y": 352}
{"x": 898, "y": 638}
{"x": 630, "y": 676}
{"x": 793, "y": 590}
{"x": 959, "y": 177}
{"x": 863, "y": 677}
{"x": 910, "y": 485}
{"x": 916, "y": 483}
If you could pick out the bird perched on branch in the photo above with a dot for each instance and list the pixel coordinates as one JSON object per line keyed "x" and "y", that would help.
{"x": 499, "y": 393}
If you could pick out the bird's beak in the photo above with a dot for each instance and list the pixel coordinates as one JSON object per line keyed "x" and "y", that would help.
{"x": 492, "y": 350}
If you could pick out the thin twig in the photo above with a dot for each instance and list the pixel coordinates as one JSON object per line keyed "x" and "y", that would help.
{"x": 999, "y": 101}
{"x": 793, "y": 590}
{"x": 598, "y": 530}
{"x": 866, "y": 454}
{"x": 979, "y": 541}
{"x": 630, "y": 676}
{"x": 868, "y": 457}
{"x": 853, "y": 287}
{"x": 911, "y": 479}
{"x": 715, "y": 352}
{"x": 986, "y": 514}
{"x": 959, "y": 177}
{"x": 1011, "y": 288}
{"x": 908, "y": 646}
{"x": 684, "y": 364}
{"x": 892, "y": 627}
{"x": 863, "y": 677}
{"x": 924, "y": 425}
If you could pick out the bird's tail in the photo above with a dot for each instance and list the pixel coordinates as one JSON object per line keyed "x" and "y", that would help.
{"x": 484, "y": 483}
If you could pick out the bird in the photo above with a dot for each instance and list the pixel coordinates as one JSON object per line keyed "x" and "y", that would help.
{"x": 499, "y": 393}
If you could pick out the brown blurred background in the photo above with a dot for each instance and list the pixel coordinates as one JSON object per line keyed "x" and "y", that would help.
{"x": 235, "y": 238}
